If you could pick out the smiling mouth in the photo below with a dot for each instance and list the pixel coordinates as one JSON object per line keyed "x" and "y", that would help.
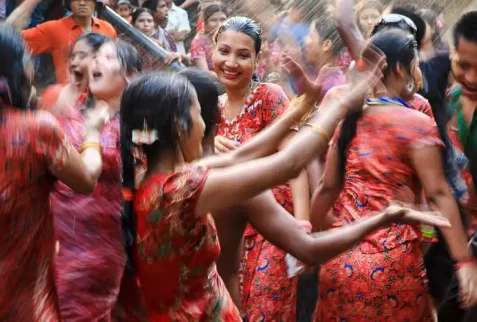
{"x": 230, "y": 74}
{"x": 97, "y": 75}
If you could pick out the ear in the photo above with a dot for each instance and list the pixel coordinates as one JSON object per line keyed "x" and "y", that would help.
{"x": 327, "y": 45}
{"x": 131, "y": 76}
{"x": 399, "y": 72}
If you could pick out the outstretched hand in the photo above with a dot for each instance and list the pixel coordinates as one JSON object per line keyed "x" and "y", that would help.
{"x": 303, "y": 84}
{"x": 406, "y": 215}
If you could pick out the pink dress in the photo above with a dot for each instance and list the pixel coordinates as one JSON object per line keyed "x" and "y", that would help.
{"x": 267, "y": 292}
{"x": 91, "y": 260}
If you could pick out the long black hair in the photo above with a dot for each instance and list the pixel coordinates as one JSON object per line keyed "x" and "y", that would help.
{"x": 162, "y": 102}
{"x": 208, "y": 94}
{"x": 15, "y": 67}
{"x": 400, "y": 50}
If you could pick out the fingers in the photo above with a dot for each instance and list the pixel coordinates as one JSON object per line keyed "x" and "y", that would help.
{"x": 224, "y": 145}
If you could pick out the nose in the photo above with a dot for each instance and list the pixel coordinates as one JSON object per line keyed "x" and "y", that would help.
{"x": 231, "y": 62}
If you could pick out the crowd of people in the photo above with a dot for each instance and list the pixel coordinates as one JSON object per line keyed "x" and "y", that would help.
{"x": 311, "y": 161}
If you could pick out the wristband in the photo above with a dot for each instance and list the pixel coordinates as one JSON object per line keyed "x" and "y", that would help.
{"x": 91, "y": 145}
{"x": 463, "y": 263}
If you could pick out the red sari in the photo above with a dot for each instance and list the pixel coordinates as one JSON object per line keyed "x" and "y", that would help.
{"x": 382, "y": 278}
{"x": 177, "y": 250}
{"x": 91, "y": 260}
{"x": 32, "y": 146}
{"x": 267, "y": 292}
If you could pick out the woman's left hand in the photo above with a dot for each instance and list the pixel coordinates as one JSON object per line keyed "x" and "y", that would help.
{"x": 172, "y": 57}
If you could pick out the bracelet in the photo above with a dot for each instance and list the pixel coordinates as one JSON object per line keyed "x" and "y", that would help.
{"x": 463, "y": 263}
{"x": 90, "y": 145}
{"x": 319, "y": 130}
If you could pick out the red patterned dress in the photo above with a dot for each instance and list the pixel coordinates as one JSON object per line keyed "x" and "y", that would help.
{"x": 267, "y": 292}
{"x": 383, "y": 277}
{"x": 177, "y": 250}
{"x": 91, "y": 260}
{"x": 33, "y": 144}
{"x": 202, "y": 46}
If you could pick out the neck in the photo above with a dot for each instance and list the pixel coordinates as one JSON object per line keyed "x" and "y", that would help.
{"x": 114, "y": 104}
{"x": 329, "y": 60}
{"x": 238, "y": 94}
{"x": 388, "y": 91}
{"x": 165, "y": 162}
{"x": 83, "y": 22}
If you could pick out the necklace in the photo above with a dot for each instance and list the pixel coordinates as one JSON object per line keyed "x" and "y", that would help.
{"x": 386, "y": 101}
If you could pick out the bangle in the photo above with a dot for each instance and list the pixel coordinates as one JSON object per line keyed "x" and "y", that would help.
{"x": 319, "y": 130}
{"x": 90, "y": 145}
{"x": 462, "y": 263}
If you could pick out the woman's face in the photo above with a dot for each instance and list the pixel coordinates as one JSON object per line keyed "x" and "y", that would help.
{"x": 81, "y": 57}
{"x": 214, "y": 22}
{"x": 191, "y": 143}
{"x": 313, "y": 48}
{"x": 106, "y": 79}
{"x": 145, "y": 23}
{"x": 235, "y": 59}
{"x": 368, "y": 18}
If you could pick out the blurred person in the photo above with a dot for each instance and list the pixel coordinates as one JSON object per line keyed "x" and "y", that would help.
{"x": 91, "y": 261}
{"x": 247, "y": 108}
{"x": 160, "y": 10}
{"x": 57, "y": 36}
{"x": 462, "y": 102}
{"x": 178, "y": 25}
{"x": 360, "y": 177}
{"x": 124, "y": 8}
{"x": 36, "y": 154}
{"x": 203, "y": 46}
{"x": 432, "y": 40}
{"x": 368, "y": 14}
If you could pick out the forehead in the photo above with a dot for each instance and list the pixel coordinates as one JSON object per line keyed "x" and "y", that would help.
{"x": 467, "y": 51}
{"x": 237, "y": 40}
{"x": 82, "y": 45}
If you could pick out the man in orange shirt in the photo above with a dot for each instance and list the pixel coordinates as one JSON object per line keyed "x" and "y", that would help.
{"x": 57, "y": 36}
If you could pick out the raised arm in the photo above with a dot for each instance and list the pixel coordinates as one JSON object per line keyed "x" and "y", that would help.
{"x": 345, "y": 19}
{"x": 20, "y": 17}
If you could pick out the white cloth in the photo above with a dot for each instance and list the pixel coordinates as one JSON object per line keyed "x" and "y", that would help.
{"x": 179, "y": 21}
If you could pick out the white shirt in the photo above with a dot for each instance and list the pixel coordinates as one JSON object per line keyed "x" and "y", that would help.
{"x": 178, "y": 20}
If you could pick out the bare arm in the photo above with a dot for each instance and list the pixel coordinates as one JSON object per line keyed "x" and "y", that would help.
{"x": 282, "y": 230}
{"x": 21, "y": 15}
{"x": 345, "y": 19}
{"x": 439, "y": 196}
{"x": 326, "y": 194}
{"x": 230, "y": 186}
{"x": 263, "y": 144}
{"x": 82, "y": 171}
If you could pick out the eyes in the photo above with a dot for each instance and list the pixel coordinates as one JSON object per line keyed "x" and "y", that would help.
{"x": 242, "y": 54}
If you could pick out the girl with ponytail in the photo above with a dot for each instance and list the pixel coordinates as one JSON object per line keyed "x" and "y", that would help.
{"x": 381, "y": 154}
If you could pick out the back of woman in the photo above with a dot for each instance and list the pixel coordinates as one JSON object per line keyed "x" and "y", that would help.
{"x": 32, "y": 147}
{"x": 380, "y": 171}
{"x": 32, "y": 144}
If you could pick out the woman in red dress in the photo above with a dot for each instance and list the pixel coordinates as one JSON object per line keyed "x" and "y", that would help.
{"x": 91, "y": 261}
{"x": 177, "y": 244}
{"x": 247, "y": 108}
{"x": 202, "y": 46}
{"x": 382, "y": 154}
{"x": 34, "y": 152}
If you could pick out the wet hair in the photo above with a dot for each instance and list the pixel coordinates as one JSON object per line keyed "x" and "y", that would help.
{"x": 400, "y": 49}
{"x": 370, "y": 4}
{"x": 246, "y": 26}
{"x": 208, "y": 94}
{"x": 16, "y": 88}
{"x": 138, "y": 12}
{"x": 94, "y": 40}
{"x": 162, "y": 102}
{"x": 211, "y": 9}
{"x": 130, "y": 60}
{"x": 326, "y": 29}
{"x": 465, "y": 28}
